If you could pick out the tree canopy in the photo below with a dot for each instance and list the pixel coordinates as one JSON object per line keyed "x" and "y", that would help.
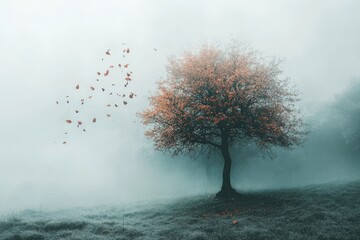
{"x": 215, "y": 93}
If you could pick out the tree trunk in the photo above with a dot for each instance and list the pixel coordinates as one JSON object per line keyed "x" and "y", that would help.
{"x": 226, "y": 189}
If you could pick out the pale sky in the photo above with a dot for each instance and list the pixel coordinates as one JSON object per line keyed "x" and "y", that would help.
{"x": 47, "y": 47}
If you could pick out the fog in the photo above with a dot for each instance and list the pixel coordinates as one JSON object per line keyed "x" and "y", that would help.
{"x": 47, "y": 47}
{"x": 330, "y": 152}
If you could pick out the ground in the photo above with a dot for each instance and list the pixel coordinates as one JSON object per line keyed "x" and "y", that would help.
{"x": 330, "y": 211}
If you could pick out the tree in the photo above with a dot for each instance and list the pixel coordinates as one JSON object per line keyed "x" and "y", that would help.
{"x": 218, "y": 98}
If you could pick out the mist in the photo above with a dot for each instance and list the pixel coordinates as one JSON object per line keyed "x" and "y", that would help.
{"x": 49, "y": 47}
{"x": 330, "y": 152}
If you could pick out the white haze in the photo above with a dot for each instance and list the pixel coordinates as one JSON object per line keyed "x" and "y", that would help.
{"x": 47, "y": 47}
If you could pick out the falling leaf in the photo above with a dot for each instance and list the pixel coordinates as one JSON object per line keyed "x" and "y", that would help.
{"x": 108, "y": 115}
{"x": 103, "y": 89}
{"x": 128, "y": 50}
{"x": 116, "y": 105}
{"x": 109, "y": 105}
{"x": 125, "y": 102}
{"x": 111, "y": 66}
{"x": 155, "y": 49}
{"x": 128, "y": 79}
{"x": 234, "y": 222}
{"x": 92, "y": 88}
{"x": 94, "y": 120}
{"x": 131, "y": 95}
{"x": 106, "y": 73}
{"x": 128, "y": 74}
{"x": 64, "y": 142}
{"x": 108, "y": 52}
{"x": 90, "y": 97}
{"x": 76, "y": 111}
{"x": 67, "y": 101}
{"x": 126, "y": 65}
{"x": 68, "y": 121}
{"x": 77, "y": 86}
{"x": 84, "y": 130}
{"x": 57, "y": 102}
{"x": 99, "y": 73}
{"x": 119, "y": 65}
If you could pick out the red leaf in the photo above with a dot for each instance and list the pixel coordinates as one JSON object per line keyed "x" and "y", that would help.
{"x": 94, "y": 120}
{"x": 68, "y": 121}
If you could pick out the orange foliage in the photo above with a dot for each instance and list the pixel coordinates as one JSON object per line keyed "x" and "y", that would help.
{"x": 219, "y": 97}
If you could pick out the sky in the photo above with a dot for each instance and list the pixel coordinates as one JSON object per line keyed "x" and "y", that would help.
{"x": 47, "y": 47}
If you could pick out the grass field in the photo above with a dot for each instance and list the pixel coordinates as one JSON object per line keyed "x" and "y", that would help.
{"x": 330, "y": 211}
